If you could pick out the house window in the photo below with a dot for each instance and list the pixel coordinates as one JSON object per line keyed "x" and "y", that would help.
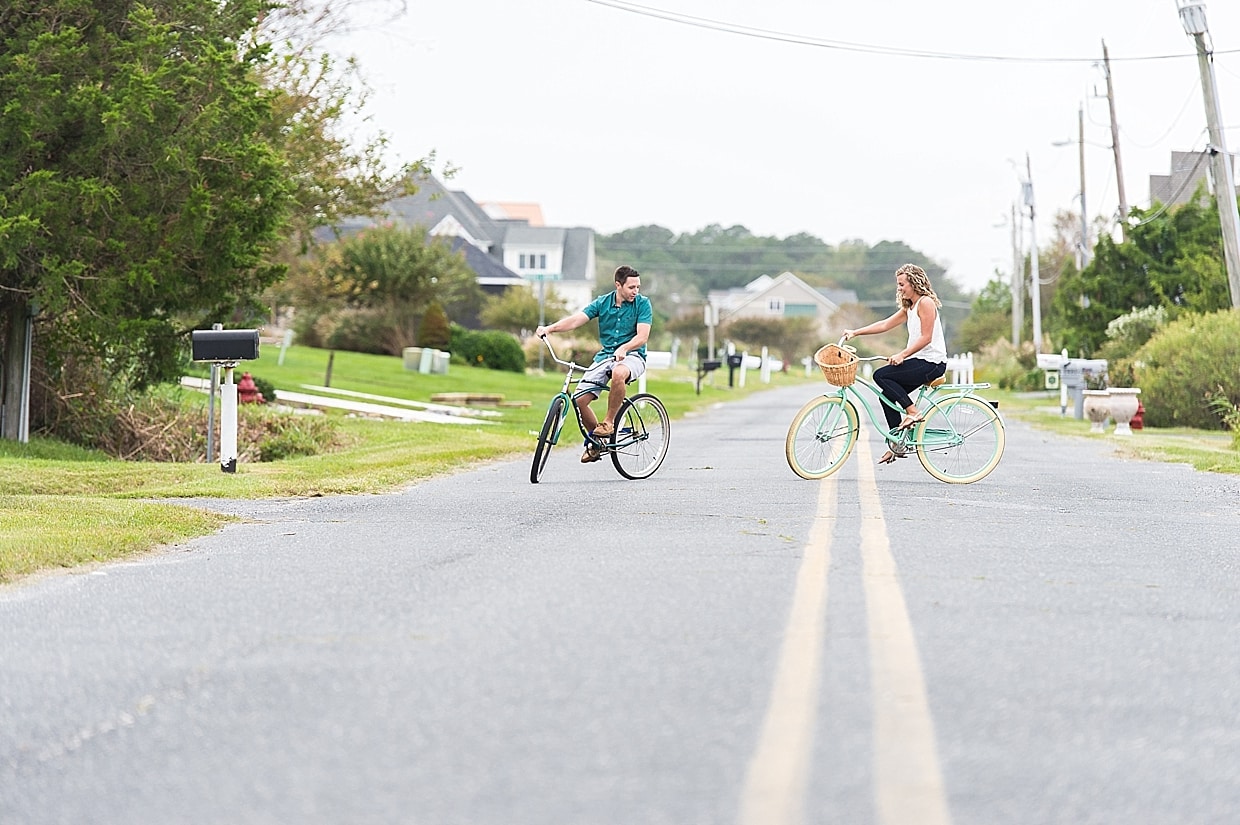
{"x": 542, "y": 261}
{"x": 775, "y": 306}
{"x": 522, "y": 264}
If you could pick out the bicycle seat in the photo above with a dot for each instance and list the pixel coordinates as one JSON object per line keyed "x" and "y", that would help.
{"x": 937, "y": 382}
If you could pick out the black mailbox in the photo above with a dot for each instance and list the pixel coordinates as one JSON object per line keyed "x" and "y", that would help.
{"x": 710, "y": 366}
{"x": 225, "y": 344}
{"x": 734, "y": 361}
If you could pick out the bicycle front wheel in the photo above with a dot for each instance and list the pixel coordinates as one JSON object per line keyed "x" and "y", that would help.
{"x": 960, "y": 441}
{"x": 822, "y": 436}
{"x": 639, "y": 443}
{"x": 546, "y": 437}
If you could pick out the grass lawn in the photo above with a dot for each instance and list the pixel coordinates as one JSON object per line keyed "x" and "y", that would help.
{"x": 64, "y": 506}
{"x": 1210, "y": 451}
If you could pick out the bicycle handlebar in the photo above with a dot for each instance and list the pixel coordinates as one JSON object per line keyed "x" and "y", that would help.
{"x": 560, "y": 360}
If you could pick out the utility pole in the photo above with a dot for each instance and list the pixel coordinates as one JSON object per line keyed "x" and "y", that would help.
{"x": 1018, "y": 277}
{"x": 1035, "y": 285}
{"x": 1085, "y": 249}
{"x": 1119, "y": 166}
{"x": 1193, "y": 16}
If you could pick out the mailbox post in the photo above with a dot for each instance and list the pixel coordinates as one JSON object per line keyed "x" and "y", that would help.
{"x": 735, "y": 359}
{"x": 226, "y": 348}
{"x": 709, "y": 365}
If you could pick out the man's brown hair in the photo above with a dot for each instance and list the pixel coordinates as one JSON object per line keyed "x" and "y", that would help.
{"x": 623, "y": 273}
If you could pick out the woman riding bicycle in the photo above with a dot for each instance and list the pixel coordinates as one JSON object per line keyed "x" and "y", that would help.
{"x": 922, "y": 360}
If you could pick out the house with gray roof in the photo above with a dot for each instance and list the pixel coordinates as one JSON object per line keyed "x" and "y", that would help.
{"x": 784, "y": 296}
{"x": 503, "y": 251}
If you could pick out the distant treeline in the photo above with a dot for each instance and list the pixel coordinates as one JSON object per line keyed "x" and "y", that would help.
{"x": 692, "y": 264}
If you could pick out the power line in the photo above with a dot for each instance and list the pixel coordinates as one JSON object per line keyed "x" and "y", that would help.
{"x": 846, "y": 46}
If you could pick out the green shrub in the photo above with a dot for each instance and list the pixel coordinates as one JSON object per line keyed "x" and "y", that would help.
{"x": 284, "y": 435}
{"x": 492, "y": 349}
{"x": 265, "y": 387}
{"x": 435, "y": 331}
{"x": 1128, "y": 333}
{"x": 1182, "y": 369}
{"x": 1010, "y": 368}
{"x": 1229, "y": 412}
{"x": 366, "y": 331}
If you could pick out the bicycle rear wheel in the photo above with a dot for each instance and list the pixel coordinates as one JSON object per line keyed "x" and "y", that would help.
{"x": 547, "y": 437}
{"x": 961, "y": 440}
{"x": 639, "y": 444}
{"x": 821, "y": 436}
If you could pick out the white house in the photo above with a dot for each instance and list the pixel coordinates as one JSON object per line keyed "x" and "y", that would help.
{"x": 784, "y": 296}
{"x": 520, "y": 251}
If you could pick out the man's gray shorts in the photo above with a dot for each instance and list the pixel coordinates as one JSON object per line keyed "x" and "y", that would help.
{"x": 599, "y": 375}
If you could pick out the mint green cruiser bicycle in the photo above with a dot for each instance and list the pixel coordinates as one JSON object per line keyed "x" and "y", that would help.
{"x": 959, "y": 441}
{"x": 637, "y": 446}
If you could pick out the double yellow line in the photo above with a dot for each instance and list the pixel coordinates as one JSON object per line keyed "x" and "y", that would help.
{"x": 908, "y": 786}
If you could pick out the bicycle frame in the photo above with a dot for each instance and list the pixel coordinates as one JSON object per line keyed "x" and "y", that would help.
{"x": 958, "y": 439}
{"x": 570, "y": 399}
{"x": 927, "y": 400}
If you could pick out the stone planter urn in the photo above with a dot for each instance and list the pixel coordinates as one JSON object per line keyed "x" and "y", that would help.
{"x": 1123, "y": 402}
{"x": 1097, "y": 407}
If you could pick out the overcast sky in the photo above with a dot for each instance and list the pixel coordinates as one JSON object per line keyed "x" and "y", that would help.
{"x": 824, "y": 117}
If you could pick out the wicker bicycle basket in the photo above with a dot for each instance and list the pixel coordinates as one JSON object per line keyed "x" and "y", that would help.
{"x": 838, "y": 364}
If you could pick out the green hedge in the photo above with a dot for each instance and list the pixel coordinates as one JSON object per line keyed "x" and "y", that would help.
{"x": 492, "y": 349}
{"x": 1186, "y": 365}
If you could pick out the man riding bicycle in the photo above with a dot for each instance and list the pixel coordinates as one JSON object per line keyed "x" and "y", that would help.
{"x": 624, "y": 320}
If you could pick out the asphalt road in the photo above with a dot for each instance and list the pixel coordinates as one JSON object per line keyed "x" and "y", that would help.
{"x": 721, "y": 643}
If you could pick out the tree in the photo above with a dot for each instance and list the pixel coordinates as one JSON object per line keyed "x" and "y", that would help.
{"x": 516, "y": 310}
{"x": 391, "y": 275}
{"x": 140, "y": 191}
{"x": 792, "y": 338}
{"x": 1171, "y": 258}
{"x": 335, "y": 175}
{"x": 990, "y": 318}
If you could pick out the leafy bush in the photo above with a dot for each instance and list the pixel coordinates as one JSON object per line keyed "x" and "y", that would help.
{"x": 358, "y": 330}
{"x": 1183, "y": 368}
{"x": 492, "y": 349}
{"x": 1010, "y": 368}
{"x": 283, "y": 435}
{"x": 1229, "y": 413}
{"x": 1128, "y": 333}
{"x": 169, "y": 424}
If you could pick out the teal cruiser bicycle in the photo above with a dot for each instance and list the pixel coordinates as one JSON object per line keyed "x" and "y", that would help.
{"x": 637, "y": 446}
{"x": 960, "y": 440}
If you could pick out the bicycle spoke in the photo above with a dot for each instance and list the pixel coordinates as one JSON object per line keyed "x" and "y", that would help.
{"x": 961, "y": 440}
{"x": 821, "y": 437}
{"x": 639, "y": 443}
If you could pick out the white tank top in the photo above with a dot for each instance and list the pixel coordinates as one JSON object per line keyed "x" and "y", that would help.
{"x": 936, "y": 351}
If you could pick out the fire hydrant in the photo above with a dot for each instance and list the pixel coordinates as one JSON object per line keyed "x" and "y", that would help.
{"x": 247, "y": 391}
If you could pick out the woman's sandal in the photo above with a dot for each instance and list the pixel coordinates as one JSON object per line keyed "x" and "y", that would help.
{"x": 910, "y": 420}
{"x": 888, "y": 458}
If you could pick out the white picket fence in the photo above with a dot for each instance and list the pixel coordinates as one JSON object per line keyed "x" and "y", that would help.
{"x": 960, "y": 367}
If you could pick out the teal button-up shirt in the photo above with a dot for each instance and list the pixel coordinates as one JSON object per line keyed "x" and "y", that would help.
{"x": 618, "y": 324}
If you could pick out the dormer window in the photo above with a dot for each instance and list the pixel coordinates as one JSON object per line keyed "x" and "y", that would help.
{"x": 531, "y": 261}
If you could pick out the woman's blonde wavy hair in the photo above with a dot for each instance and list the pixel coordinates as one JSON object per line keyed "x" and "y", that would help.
{"x": 919, "y": 281}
